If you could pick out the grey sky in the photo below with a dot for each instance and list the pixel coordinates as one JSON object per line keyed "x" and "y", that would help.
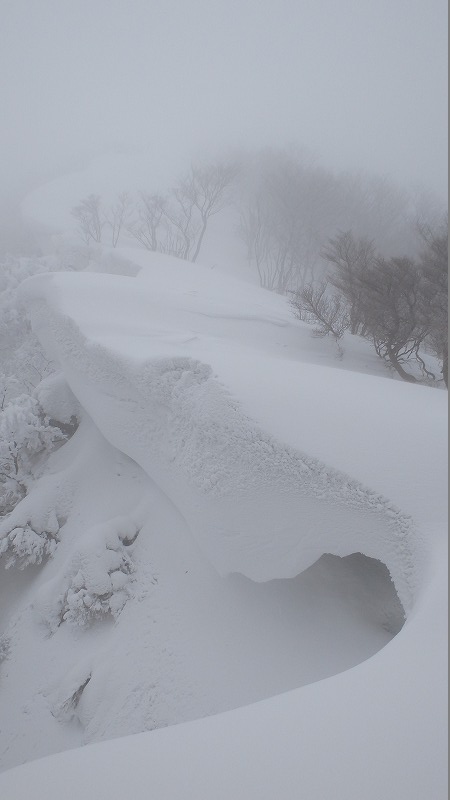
{"x": 361, "y": 83}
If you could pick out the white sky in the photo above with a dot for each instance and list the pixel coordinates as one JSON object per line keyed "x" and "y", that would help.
{"x": 361, "y": 83}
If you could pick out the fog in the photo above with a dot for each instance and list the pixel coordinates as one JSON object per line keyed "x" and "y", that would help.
{"x": 359, "y": 84}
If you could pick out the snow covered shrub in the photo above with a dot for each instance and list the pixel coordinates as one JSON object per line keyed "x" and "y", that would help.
{"x": 25, "y": 433}
{"x": 21, "y": 354}
{"x": 25, "y": 545}
{"x": 97, "y": 578}
{"x": 31, "y": 513}
{"x": 59, "y": 403}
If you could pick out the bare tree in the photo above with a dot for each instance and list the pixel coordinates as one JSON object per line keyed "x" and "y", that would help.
{"x": 269, "y": 251}
{"x": 165, "y": 226}
{"x": 386, "y": 300}
{"x": 118, "y": 216}
{"x": 391, "y": 302}
{"x": 398, "y": 304}
{"x": 290, "y": 206}
{"x": 90, "y": 218}
{"x": 148, "y": 223}
{"x": 183, "y": 225}
{"x": 206, "y": 189}
{"x": 351, "y": 259}
{"x": 327, "y": 312}
{"x": 434, "y": 266}
{"x": 176, "y": 223}
{"x": 284, "y": 213}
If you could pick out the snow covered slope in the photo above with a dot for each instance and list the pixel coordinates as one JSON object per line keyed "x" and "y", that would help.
{"x": 145, "y": 357}
{"x": 273, "y": 454}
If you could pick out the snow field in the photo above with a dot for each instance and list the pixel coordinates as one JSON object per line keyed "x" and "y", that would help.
{"x": 223, "y": 434}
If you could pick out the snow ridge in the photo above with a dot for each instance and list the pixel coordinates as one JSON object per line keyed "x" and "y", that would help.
{"x": 255, "y": 506}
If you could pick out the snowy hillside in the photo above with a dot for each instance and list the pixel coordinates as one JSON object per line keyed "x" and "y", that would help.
{"x": 48, "y": 209}
{"x": 241, "y": 523}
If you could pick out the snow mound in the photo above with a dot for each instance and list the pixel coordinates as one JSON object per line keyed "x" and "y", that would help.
{"x": 95, "y": 580}
{"x": 268, "y": 454}
{"x": 255, "y": 506}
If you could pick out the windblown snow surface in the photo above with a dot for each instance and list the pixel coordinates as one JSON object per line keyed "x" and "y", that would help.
{"x": 260, "y": 499}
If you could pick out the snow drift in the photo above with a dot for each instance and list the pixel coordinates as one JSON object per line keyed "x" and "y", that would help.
{"x": 244, "y": 432}
{"x": 255, "y": 506}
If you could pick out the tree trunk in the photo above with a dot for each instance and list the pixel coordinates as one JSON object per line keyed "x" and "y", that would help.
{"x": 200, "y": 239}
{"x": 398, "y": 367}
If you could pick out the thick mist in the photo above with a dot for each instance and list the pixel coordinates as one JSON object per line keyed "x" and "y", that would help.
{"x": 360, "y": 85}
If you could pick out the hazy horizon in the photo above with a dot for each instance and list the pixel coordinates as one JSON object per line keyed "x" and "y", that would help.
{"x": 359, "y": 85}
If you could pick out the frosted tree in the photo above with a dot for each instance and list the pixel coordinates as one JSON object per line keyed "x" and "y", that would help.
{"x": 96, "y": 580}
{"x": 25, "y": 433}
{"x": 23, "y": 361}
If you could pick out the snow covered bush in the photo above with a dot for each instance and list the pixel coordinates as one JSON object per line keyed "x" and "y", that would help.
{"x": 97, "y": 578}
{"x": 26, "y": 545}
{"x": 59, "y": 403}
{"x": 21, "y": 354}
{"x": 36, "y": 414}
{"x": 25, "y": 433}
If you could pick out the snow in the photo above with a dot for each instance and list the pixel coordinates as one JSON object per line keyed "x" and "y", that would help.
{"x": 253, "y": 465}
{"x": 241, "y": 491}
